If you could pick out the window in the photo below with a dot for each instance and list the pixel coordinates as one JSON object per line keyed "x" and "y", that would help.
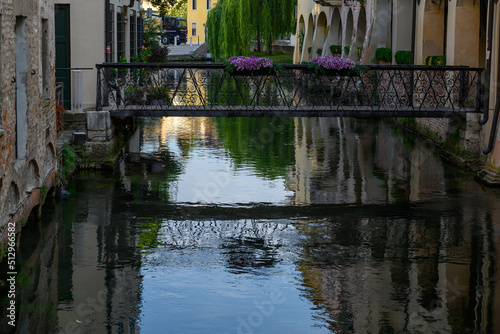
{"x": 21, "y": 88}
{"x": 194, "y": 5}
{"x": 45, "y": 58}
{"x": 193, "y": 29}
{"x": 209, "y": 4}
{"x": 110, "y": 32}
{"x": 120, "y": 35}
{"x": 133, "y": 34}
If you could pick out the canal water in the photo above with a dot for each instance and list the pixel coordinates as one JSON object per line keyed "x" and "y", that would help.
{"x": 264, "y": 226}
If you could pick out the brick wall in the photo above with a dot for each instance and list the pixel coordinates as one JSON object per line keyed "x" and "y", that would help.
{"x": 21, "y": 176}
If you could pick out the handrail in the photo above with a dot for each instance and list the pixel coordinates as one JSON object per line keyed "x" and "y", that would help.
{"x": 286, "y": 66}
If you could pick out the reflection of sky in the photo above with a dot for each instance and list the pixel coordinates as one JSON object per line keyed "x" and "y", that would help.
{"x": 208, "y": 175}
{"x": 210, "y": 178}
{"x": 192, "y": 284}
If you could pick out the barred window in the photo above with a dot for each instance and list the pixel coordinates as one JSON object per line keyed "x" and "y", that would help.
{"x": 120, "y": 35}
{"x": 133, "y": 34}
{"x": 110, "y": 31}
{"x": 45, "y": 58}
{"x": 140, "y": 31}
{"x": 193, "y": 29}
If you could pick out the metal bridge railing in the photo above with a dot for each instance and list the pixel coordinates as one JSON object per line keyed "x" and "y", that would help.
{"x": 188, "y": 89}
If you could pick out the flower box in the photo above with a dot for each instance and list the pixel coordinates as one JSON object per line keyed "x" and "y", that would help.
{"x": 261, "y": 72}
{"x": 250, "y": 66}
{"x": 329, "y": 72}
{"x": 331, "y": 66}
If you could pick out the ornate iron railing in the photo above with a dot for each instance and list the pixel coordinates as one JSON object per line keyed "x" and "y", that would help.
{"x": 187, "y": 89}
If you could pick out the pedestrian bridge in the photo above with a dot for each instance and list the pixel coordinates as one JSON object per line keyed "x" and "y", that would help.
{"x": 189, "y": 89}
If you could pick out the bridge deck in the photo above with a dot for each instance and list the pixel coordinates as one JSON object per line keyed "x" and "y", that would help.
{"x": 182, "y": 89}
{"x": 263, "y": 111}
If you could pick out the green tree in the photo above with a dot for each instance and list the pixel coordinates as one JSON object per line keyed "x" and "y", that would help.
{"x": 170, "y": 7}
{"x": 151, "y": 32}
{"x": 233, "y": 24}
{"x": 180, "y": 9}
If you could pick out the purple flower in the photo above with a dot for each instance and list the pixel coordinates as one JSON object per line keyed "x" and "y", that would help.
{"x": 333, "y": 63}
{"x": 250, "y": 63}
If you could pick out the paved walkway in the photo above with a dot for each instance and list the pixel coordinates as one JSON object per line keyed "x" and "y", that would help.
{"x": 183, "y": 49}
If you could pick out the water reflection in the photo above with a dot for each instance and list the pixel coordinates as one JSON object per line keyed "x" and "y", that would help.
{"x": 361, "y": 162}
{"x": 418, "y": 275}
{"x": 338, "y": 225}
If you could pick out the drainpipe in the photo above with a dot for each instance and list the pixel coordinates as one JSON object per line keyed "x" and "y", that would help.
{"x": 487, "y": 75}
{"x": 494, "y": 125}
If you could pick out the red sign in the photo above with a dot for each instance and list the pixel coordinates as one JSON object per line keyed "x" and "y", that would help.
{"x": 108, "y": 49}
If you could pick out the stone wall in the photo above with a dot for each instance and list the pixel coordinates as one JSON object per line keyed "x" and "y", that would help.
{"x": 28, "y": 121}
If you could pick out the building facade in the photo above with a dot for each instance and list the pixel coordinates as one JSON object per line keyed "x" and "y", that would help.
{"x": 28, "y": 133}
{"x": 369, "y": 24}
{"x": 197, "y": 12}
{"x": 465, "y": 31}
{"x": 92, "y": 32}
{"x": 456, "y": 29}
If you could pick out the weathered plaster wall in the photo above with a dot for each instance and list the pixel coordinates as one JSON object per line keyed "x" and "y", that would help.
{"x": 25, "y": 165}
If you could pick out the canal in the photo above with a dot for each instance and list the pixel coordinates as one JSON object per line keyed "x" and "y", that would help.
{"x": 256, "y": 225}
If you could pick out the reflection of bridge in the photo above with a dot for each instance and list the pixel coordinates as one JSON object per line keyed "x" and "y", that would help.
{"x": 296, "y": 91}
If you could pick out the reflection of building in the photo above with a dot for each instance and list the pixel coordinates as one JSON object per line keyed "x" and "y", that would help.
{"x": 38, "y": 299}
{"x": 459, "y": 29}
{"x": 321, "y": 24}
{"x": 396, "y": 275}
{"x": 101, "y": 269}
{"x": 28, "y": 131}
{"x": 396, "y": 272}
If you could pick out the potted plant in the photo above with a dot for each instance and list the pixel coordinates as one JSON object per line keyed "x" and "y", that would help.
{"x": 251, "y": 66}
{"x": 336, "y": 50}
{"x": 403, "y": 57}
{"x": 435, "y": 60}
{"x": 134, "y": 95}
{"x": 331, "y": 66}
{"x": 384, "y": 56}
{"x": 359, "y": 51}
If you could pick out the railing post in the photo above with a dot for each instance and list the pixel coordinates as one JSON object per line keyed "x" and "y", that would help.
{"x": 412, "y": 85}
{"x": 462, "y": 90}
{"x": 480, "y": 99}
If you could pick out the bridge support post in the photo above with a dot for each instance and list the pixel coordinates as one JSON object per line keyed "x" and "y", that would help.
{"x": 98, "y": 125}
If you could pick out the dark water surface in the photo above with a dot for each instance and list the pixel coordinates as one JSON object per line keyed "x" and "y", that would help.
{"x": 264, "y": 226}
